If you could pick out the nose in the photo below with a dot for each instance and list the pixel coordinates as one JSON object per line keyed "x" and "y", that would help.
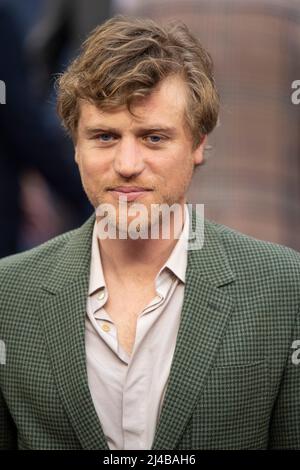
{"x": 128, "y": 160}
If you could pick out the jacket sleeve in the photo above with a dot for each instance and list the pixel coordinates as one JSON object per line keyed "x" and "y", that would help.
{"x": 285, "y": 423}
{"x": 8, "y": 432}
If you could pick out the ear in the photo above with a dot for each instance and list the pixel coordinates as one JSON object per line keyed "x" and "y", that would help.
{"x": 76, "y": 154}
{"x": 198, "y": 153}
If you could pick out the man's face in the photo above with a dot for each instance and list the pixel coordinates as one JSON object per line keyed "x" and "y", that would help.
{"x": 153, "y": 151}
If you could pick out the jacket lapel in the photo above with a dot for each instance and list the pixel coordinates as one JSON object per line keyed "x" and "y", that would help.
{"x": 204, "y": 317}
{"x": 63, "y": 314}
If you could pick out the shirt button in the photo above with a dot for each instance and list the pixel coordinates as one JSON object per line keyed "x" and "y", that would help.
{"x": 105, "y": 327}
{"x": 101, "y": 295}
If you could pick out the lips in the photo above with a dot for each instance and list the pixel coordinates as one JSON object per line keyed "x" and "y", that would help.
{"x": 130, "y": 192}
{"x": 129, "y": 189}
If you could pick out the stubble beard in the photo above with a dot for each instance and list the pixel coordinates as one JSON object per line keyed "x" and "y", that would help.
{"x": 128, "y": 218}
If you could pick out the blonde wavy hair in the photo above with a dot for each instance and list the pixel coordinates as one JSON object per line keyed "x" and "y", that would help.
{"x": 123, "y": 59}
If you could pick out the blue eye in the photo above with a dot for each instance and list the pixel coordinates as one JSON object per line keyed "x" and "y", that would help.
{"x": 105, "y": 137}
{"x": 154, "y": 138}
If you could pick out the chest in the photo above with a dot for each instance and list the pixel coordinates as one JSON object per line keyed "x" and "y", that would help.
{"x": 124, "y": 307}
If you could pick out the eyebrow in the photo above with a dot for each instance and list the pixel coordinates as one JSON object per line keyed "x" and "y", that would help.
{"x": 171, "y": 131}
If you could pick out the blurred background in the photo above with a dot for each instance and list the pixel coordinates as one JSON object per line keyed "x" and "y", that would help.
{"x": 251, "y": 178}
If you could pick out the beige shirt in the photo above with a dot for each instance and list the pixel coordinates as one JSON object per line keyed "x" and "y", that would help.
{"x": 128, "y": 390}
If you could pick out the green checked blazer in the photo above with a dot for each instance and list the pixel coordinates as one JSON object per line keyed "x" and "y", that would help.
{"x": 235, "y": 376}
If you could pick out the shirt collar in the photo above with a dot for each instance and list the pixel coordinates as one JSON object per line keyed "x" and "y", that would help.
{"x": 176, "y": 263}
{"x": 97, "y": 280}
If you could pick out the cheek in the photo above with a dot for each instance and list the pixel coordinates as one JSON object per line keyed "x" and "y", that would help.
{"x": 176, "y": 169}
{"x": 91, "y": 165}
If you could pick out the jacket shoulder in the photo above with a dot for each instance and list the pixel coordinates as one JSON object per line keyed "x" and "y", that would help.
{"x": 36, "y": 260}
{"x": 247, "y": 253}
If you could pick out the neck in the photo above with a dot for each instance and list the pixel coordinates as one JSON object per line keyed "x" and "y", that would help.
{"x": 139, "y": 259}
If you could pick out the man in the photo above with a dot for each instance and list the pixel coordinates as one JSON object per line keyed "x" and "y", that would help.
{"x": 126, "y": 342}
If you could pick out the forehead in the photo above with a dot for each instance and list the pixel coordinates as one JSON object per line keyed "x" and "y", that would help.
{"x": 166, "y": 104}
